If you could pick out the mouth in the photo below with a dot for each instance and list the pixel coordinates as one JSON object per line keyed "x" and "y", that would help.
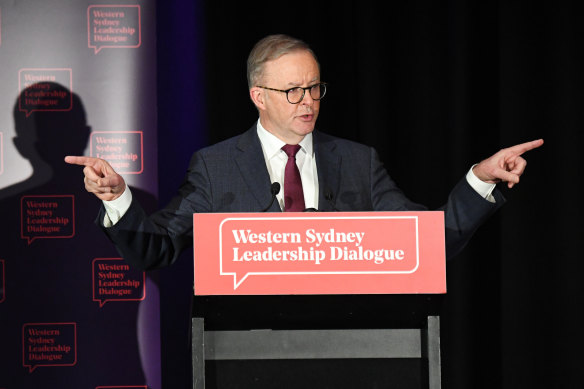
{"x": 307, "y": 117}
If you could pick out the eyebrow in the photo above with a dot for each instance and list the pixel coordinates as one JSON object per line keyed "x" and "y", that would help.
{"x": 311, "y": 81}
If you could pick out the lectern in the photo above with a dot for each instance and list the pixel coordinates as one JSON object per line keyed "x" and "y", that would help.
{"x": 318, "y": 254}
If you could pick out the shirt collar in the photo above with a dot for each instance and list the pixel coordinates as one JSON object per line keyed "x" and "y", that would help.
{"x": 272, "y": 145}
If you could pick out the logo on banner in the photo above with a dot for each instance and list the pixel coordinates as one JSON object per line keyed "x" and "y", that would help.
{"x": 113, "y": 26}
{"x": 49, "y": 344}
{"x": 44, "y": 217}
{"x": 123, "y": 150}
{"x": 114, "y": 280}
{"x": 248, "y": 248}
{"x": 45, "y": 90}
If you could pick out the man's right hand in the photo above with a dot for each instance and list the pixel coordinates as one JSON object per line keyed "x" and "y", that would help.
{"x": 100, "y": 178}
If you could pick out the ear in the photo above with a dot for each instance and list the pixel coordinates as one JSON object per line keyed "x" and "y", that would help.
{"x": 258, "y": 96}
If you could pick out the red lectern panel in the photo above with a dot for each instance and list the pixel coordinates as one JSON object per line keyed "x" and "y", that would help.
{"x": 319, "y": 253}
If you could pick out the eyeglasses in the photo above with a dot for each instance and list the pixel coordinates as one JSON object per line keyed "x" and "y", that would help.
{"x": 296, "y": 94}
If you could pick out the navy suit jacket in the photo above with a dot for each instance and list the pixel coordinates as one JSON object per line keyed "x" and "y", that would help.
{"x": 231, "y": 176}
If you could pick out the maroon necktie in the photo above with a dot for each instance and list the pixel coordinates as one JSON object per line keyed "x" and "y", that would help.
{"x": 293, "y": 195}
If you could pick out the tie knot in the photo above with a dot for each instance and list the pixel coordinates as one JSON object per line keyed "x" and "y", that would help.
{"x": 291, "y": 150}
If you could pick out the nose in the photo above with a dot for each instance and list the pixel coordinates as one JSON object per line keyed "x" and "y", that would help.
{"x": 307, "y": 98}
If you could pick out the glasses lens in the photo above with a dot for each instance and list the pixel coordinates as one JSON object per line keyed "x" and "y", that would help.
{"x": 295, "y": 95}
{"x": 317, "y": 91}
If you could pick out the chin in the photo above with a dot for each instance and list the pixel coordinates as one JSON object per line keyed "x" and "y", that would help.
{"x": 305, "y": 129}
{"x": 304, "y": 132}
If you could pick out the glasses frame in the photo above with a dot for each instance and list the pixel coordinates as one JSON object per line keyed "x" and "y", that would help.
{"x": 304, "y": 89}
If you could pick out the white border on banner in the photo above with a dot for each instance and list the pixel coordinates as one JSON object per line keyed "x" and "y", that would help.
{"x": 237, "y": 284}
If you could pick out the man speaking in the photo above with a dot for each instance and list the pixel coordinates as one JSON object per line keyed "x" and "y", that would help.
{"x": 283, "y": 157}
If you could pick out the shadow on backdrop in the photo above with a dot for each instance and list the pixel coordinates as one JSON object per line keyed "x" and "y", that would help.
{"x": 48, "y": 265}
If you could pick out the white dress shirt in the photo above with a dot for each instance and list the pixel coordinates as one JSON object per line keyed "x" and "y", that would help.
{"x": 276, "y": 160}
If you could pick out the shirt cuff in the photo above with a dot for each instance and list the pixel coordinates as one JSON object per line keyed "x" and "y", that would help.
{"x": 117, "y": 208}
{"x": 484, "y": 189}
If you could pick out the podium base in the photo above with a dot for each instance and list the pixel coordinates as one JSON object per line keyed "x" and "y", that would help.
{"x": 402, "y": 343}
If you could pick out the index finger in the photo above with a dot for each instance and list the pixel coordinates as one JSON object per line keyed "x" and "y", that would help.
{"x": 523, "y": 147}
{"x": 82, "y": 161}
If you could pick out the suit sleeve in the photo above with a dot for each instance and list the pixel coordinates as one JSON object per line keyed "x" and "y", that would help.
{"x": 150, "y": 242}
{"x": 464, "y": 212}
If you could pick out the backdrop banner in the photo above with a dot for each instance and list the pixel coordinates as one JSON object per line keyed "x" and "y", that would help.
{"x": 78, "y": 78}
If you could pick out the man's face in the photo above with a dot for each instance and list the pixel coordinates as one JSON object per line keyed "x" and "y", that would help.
{"x": 289, "y": 122}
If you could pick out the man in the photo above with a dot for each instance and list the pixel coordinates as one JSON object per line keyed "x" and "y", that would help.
{"x": 324, "y": 172}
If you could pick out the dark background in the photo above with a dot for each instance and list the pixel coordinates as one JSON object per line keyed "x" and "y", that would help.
{"x": 435, "y": 87}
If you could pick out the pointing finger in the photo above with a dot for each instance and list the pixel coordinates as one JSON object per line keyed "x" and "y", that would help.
{"x": 524, "y": 147}
{"x": 82, "y": 161}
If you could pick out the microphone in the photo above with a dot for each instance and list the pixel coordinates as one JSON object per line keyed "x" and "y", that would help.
{"x": 274, "y": 190}
{"x": 328, "y": 195}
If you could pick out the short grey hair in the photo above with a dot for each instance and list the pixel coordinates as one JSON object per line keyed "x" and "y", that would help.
{"x": 270, "y": 48}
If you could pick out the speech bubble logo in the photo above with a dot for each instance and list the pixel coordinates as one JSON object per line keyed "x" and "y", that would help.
{"x": 49, "y": 344}
{"x": 45, "y": 90}
{"x": 46, "y": 217}
{"x": 2, "y": 281}
{"x": 113, "y": 26}
{"x": 317, "y": 246}
{"x": 123, "y": 150}
{"x": 114, "y": 280}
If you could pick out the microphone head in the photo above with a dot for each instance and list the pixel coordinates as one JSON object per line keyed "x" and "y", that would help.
{"x": 274, "y": 189}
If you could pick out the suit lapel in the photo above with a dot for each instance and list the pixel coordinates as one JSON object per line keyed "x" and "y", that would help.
{"x": 249, "y": 158}
{"x": 328, "y": 165}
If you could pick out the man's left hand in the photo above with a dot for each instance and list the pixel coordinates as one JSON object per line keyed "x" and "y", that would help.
{"x": 507, "y": 165}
